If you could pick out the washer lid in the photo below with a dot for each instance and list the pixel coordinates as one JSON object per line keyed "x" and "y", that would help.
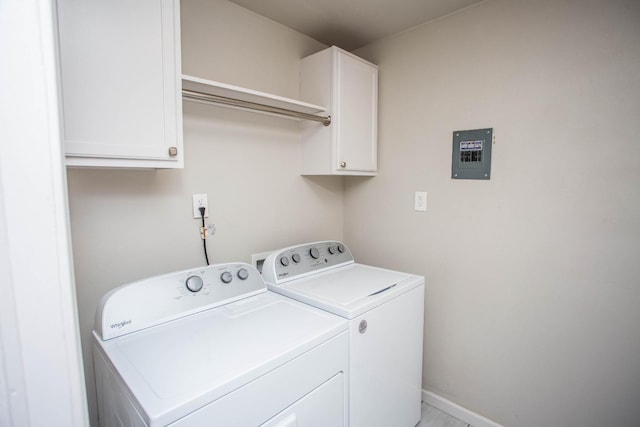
{"x": 348, "y": 285}
{"x": 350, "y": 290}
{"x": 177, "y": 367}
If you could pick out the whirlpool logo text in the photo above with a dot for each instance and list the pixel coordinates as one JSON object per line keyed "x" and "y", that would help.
{"x": 120, "y": 324}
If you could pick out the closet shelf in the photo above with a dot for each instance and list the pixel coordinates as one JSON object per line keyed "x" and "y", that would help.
{"x": 209, "y": 91}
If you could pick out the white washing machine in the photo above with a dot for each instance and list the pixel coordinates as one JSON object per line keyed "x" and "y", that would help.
{"x": 385, "y": 310}
{"x": 213, "y": 347}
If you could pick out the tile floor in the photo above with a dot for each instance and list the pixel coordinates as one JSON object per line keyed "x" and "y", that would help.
{"x": 432, "y": 417}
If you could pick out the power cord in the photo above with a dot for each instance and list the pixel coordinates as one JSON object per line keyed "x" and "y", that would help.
{"x": 204, "y": 234}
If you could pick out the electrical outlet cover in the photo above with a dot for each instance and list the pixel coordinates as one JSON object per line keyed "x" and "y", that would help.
{"x": 198, "y": 201}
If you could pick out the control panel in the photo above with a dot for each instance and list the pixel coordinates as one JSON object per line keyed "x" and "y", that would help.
{"x": 158, "y": 299}
{"x": 301, "y": 260}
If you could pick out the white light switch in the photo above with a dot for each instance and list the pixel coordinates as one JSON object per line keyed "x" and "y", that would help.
{"x": 420, "y": 201}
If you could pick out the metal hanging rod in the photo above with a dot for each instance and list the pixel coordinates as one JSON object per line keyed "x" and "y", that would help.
{"x": 217, "y": 99}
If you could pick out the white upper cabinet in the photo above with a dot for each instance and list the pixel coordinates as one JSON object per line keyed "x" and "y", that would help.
{"x": 348, "y": 85}
{"x": 121, "y": 82}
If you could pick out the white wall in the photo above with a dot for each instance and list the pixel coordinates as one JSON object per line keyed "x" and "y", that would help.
{"x": 533, "y": 279}
{"x": 131, "y": 224}
{"x": 41, "y": 379}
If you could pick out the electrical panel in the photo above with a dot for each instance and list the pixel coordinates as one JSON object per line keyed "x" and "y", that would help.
{"x": 471, "y": 154}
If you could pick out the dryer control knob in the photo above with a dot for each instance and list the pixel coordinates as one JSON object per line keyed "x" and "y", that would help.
{"x": 226, "y": 277}
{"x": 340, "y": 248}
{"x": 243, "y": 274}
{"x": 333, "y": 249}
{"x": 194, "y": 283}
{"x": 295, "y": 258}
{"x": 315, "y": 254}
{"x": 284, "y": 261}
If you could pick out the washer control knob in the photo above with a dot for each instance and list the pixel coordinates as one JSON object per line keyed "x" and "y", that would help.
{"x": 333, "y": 249}
{"x": 340, "y": 248}
{"x": 315, "y": 254}
{"x": 194, "y": 283}
{"x": 226, "y": 277}
{"x": 284, "y": 261}
{"x": 295, "y": 258}
{"x": 243, "y": 274}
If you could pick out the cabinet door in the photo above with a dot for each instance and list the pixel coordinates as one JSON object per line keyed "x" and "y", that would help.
{"x": 120, "y": 82}
{"x": 357, "y": 110}
{"x": 348, "y": 85}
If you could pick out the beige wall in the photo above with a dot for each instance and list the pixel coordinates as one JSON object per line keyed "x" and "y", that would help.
{"x": 533, "y": 278}
{"x": 131, "y": 224}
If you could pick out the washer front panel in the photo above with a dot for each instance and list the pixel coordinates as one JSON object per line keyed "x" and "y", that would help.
{"x": 385, "y": 309}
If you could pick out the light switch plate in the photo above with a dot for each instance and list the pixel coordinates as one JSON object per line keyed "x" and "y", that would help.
{"x": 420, "y": 201}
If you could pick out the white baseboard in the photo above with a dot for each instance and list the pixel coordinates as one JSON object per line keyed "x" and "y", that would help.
{"x": 457, "y": 411}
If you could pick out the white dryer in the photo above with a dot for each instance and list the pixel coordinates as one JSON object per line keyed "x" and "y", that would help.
{"x": 385, "y": 310}
{"x": 212, "y": 347}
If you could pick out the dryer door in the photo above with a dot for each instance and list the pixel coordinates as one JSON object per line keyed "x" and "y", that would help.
{"x": 321, "y": 408}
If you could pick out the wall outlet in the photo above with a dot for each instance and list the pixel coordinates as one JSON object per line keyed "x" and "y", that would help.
{"x": 200, "y": 200}
{"x": 420, "y": 201}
